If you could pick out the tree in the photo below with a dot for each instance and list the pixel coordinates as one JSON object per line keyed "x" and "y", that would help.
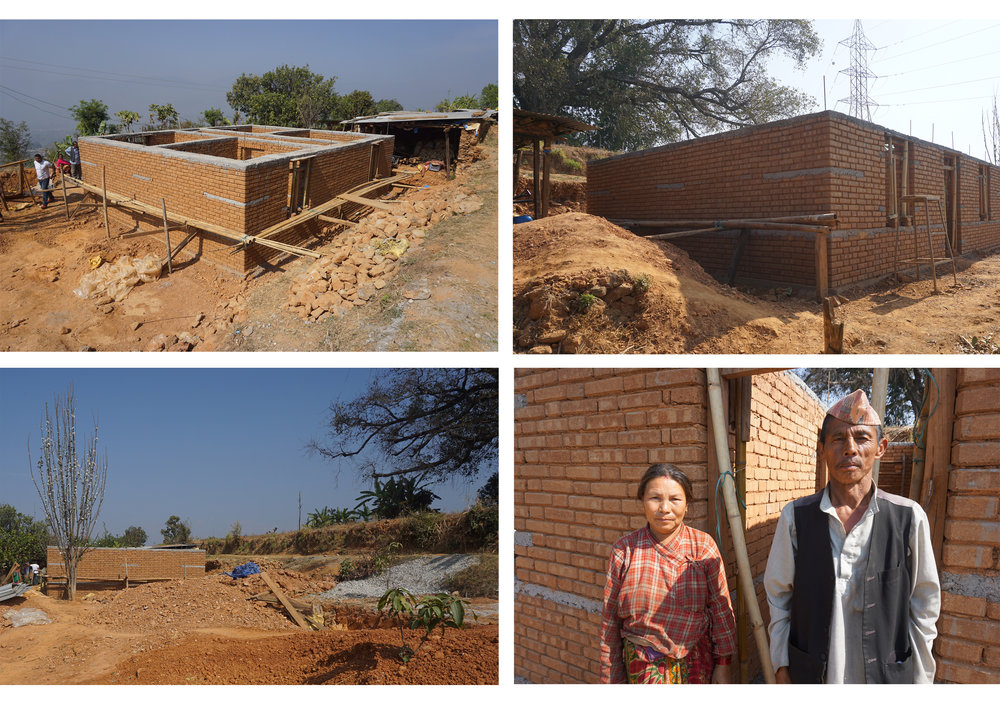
{"x": 22, "y": 539}
{"x": 71, "y": 485}
{"x": 14, "y": 140}
{"x": 165, "y": 116}
{"x": 438, "y": 421}
{"x": 388, "y": 105}
{"x": 645, "y": 82}
{"x": 89, "y": 115}
{"x": 134, "y": 536}
{"x": 489, "y": 97}
{"x": 356, "y": 104}
{"x": 176, "y": 532}
{"x": 991, "y": 133}
{"x": 127, "y": 118}
{"x": 904, "y": 395}
{"x": 284, "y": 96}
{"x": 489, "y": 493}
{"x": 214, "y": 116}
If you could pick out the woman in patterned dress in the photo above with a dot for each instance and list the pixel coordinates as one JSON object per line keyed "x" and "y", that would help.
{"x": 667, "y": 616}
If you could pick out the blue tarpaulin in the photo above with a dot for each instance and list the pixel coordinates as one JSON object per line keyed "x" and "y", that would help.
{"x": 244, "y": 570}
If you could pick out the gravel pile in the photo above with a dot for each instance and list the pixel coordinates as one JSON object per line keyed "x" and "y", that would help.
{"x": 424, "y": 575}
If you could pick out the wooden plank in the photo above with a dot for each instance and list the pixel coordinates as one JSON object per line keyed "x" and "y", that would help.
{"x": 679, "y": 234}
{"x": 296, "y": 616}
{"x": 822, "y": 267}
{"x": 166, "y": 233}
{"x": 104, "y": 194}
{"x": 331, "y": 219}
{"x": 382, "y": 205}
{"x": 940, "y": 428}
{"x": 833, "y": 331}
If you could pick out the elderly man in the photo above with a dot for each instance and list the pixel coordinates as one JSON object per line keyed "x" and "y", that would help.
{"x": 851, "y": 581}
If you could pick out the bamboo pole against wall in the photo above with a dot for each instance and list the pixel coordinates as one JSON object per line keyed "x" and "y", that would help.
{"x": 880, "y": 387}
{"x": 104, "y": 196}
{"x": 719, "y": 428}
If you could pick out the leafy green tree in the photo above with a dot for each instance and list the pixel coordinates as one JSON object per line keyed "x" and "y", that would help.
{"x": 22, "y": 539}
{"x": 134, "y": 536}
{"x": 14, "y": 140}
{"x": 904, "y": 395}
{"x": 441, "y": 422}
{"x": 388, "y": 105}
{"x": 288, "y": 96}
{"x": 489, "y": 493}
{"x": 165, "y": 116}
{"x": 356, "y": 104}
{"x": 489, "y": 97}
{"x": 127, "y": 119}
{"x": 89, "y": 115}
{"x": 214, "y": 116}
{"x": 176, "y": 531}
{"x": 645, "y": 82}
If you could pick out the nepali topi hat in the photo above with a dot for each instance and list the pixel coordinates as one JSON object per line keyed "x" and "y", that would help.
{"x": 855, "y": 409}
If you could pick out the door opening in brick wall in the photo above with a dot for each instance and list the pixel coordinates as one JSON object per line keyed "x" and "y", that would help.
{"x": 951, "y": 199}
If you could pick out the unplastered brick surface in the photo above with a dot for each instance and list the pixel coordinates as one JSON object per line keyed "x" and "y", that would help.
{"x": 102, "y": 563}
{"x": 820, "y": 163}
{"x": 895, "y": 471}
{"x": 968, "y": 646}
{"x": 583, "y": 438}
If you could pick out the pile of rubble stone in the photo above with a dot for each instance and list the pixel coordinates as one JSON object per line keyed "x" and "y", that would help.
{"x": 366, "y": 256}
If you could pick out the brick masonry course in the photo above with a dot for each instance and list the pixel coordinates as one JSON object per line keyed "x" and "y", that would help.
{"x": 108, "y": 564}
{"x": 818, "y": 163}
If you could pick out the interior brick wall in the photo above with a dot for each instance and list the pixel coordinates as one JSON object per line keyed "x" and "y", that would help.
{"x": 818, "y": 163}
{"x": 895, "y": 471}
{"x": 968, "y": 644}
{"x": 583, "y": 438}
{"x": 102, "y": 563}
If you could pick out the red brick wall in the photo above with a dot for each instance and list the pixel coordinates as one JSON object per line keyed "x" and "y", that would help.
{"x": 819, "y": 163}
{"x": 968, "y": 645}
{"x": 583, "y": 437}
{"x": 102, "y": 563}
{"x": 895, "y": 471}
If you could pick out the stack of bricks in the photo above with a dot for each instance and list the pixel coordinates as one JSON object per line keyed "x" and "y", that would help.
{"x": 819, "y": 163}
{"x": 968, "y": 644}
{"x": 109, "y": 564}
{"x": 583, "y": 438}
{"x": 235, "y": 178}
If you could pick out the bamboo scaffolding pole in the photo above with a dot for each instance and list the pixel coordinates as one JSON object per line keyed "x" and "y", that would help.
{"x": 104, "y": 195}
{"x": 166, "y": 233}
{"x": 828, "y": 219}
{"x": 721, "y": 441}
{"x": 880, "y": 387}
{"x": 678, "y": 234}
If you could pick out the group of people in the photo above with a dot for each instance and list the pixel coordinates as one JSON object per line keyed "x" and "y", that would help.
{"x": 26, "y": 572}
{"x": 45, "y": 171}
{"x": 851, "y": 582}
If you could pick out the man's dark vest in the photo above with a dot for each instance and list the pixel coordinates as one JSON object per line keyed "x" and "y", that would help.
{"x": 885, "y": 621}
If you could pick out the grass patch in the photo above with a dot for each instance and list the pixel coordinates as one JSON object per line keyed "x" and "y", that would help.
{"x": 479, "y": 580}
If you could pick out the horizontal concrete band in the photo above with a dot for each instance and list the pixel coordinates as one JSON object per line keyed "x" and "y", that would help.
{"x": 565, "y": 598}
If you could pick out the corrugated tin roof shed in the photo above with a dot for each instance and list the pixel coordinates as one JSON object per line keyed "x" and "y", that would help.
{"x": 530, "y": 126}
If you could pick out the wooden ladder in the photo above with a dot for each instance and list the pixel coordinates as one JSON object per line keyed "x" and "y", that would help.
{"x": 925, "y": 200}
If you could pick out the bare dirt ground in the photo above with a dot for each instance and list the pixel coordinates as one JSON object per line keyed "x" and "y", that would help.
{"x": 584, "y": 285}
{"x": 208, "y": 631}
{"x": 442, "y": 299}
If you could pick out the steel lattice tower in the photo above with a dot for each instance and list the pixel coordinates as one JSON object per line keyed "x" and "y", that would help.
{"x": 859, "y": 73}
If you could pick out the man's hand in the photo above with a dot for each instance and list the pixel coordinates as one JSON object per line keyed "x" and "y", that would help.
{"x": 782, "y": 676}
{"x": 721, "y": 675}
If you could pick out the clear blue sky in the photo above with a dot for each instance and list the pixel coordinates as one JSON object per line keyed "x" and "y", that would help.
{"x": 211, "y": 445}
{"x": 940, "y": 76}
{"x": 48, "y": 66}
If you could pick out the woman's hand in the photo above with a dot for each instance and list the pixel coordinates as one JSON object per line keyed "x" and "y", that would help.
{"x": 721, "y": 675}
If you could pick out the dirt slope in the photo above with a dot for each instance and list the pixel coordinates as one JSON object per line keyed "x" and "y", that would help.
{"x": 560, "y": 259}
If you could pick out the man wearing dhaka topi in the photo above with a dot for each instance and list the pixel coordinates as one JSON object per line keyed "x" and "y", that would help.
{"x": 851, "y": 581}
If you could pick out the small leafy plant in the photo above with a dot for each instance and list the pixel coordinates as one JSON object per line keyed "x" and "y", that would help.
{"x": 428, "y": 613}
{"x": 586, "y": 301}
{"x": 640, "y": 285}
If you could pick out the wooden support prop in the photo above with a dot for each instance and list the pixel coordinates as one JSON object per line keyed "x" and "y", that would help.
{"x": 833, "y": 331}
{"x": 192, "y": 232}
{"x": 829, "y": 219}
{"x": 535, "y": 176}
{"x": 919, "y": 458}
{"x": 306, "y": 201}
{"x": 65, "y": 200}
{"x": 166, "y": 233}
{"x": 546, "y": 176}
{"x": 331, "y": 219}
{"x": 940, "y": 429}
{"x": 721, "y": 441}
{"x": 679, "y": 234}
{"x": 104, "y": 193}
{"x": 822, "y": 266}
{"x": 26, "y": 187}
{"x": 447, "y": 154}
{"x": 296, "y": 616}
{"x": 87, "y": 200}
{"x": 880, "y": 387}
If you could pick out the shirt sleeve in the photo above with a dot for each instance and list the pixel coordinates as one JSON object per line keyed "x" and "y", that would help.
{"x": 720, "y": 608}
{"x": 925, "y": 599}
{"x": 612, "y": 663}
{"x": 779, "y": 579}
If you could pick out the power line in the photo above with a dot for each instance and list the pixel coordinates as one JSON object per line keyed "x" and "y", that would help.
{"x": 942, "y": 100}
{"x": 919, "y": 34}
{"x": 943, "y": 41}
{"x": 33, "y": 98}
{"x": 3, "y": 91}
{"x": 110, "y": 73}
{"x": 944, "y": 63}
{"x": 166, "y": 82}
{"x": 944, "y": 85}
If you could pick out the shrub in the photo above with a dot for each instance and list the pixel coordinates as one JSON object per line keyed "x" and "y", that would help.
{"x": 640, "y": 284}
{"x": 586, "y": 301}
{"x": 422, "y": 530}
{"x": 428, "y": 612}
{"x": 479, "y": 580}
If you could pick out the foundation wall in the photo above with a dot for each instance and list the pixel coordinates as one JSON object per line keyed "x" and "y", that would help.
{"x": 102, "y": 563}
{"x": 968, "y": 644}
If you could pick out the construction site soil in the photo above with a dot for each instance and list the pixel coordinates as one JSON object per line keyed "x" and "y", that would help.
{"x": 438, "y": 295}
{"x": 210, "y": 631}
{"x": 585, "y": 285}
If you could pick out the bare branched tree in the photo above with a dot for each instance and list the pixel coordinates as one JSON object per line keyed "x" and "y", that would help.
{"x": 70, "y": 481}
{"x": 441, "y": 422}
{"x": 991, "y": 134}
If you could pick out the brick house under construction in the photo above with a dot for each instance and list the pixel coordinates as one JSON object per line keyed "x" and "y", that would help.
{"x": 583, "y": 437}
{"x": 238, "y": 188}
{"x": 124, "y": 564}
{"x": 822, "y": 163}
